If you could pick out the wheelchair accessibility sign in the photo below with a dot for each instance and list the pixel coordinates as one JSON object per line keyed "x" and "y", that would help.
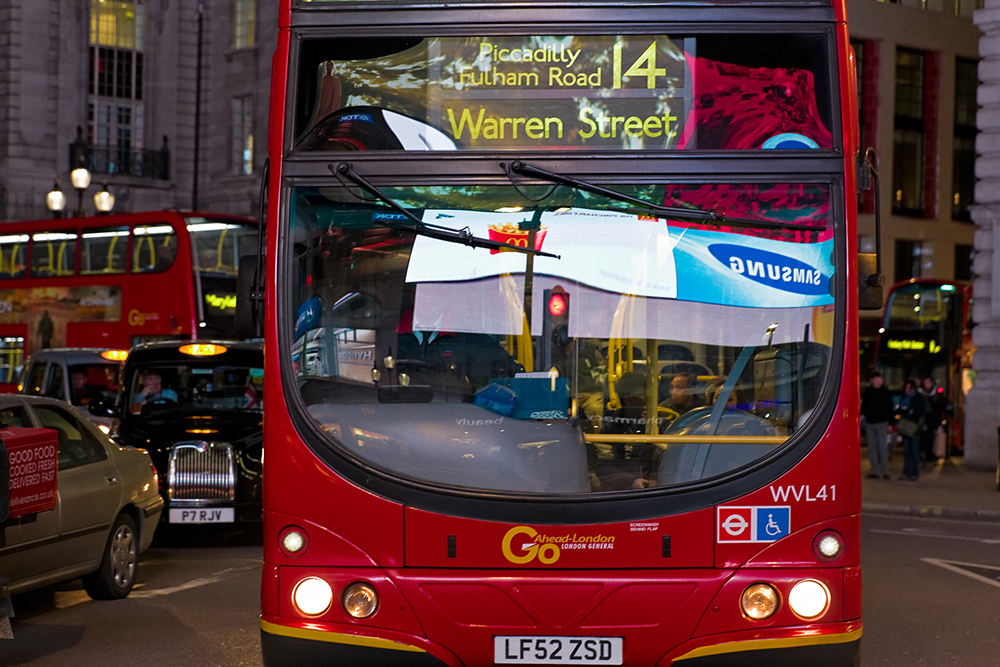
{"x": 753, "y": 524}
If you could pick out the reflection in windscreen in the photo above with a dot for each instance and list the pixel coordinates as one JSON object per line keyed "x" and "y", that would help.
{"x": 205, "y": 387}
{"x": 646, "y": 352}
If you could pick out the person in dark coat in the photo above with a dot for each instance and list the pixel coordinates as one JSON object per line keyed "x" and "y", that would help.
{"x": 877, "y": 409}
{"x": 935, "y": 403}
{"x": 912, "y": 408}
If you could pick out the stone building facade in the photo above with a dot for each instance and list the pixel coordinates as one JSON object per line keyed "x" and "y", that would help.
{"x": 124, "y": 72}
{"x": 983, "y": 416}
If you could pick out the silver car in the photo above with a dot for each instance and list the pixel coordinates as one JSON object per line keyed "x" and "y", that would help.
{"x": 107, "y": 508}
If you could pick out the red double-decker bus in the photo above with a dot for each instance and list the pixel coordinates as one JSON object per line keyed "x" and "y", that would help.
{"x": 115, "y": 280}
{"x": 560, "y": 330}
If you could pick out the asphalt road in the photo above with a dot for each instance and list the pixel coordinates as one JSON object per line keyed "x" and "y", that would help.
{"x": 931, "y": 594}
{"x": 196, "y": 604}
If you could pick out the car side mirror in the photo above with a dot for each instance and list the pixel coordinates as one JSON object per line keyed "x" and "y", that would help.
{"x": 101, "y": 407}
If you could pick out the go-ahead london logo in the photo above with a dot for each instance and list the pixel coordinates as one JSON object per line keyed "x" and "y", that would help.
{"x": 523, "y": 544}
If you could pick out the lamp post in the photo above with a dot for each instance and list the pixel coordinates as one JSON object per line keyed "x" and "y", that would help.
{"x": 80, "y": 177}
{"x": 56, "y": 200}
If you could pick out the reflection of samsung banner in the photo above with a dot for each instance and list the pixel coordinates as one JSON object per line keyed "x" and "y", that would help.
{"x": 626, "y": 254}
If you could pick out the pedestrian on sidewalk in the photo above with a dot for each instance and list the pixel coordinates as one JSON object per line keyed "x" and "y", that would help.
{"x": 877, "y": 409}
{"x": 935, "y": 416}
{"x": 911, "y": 411}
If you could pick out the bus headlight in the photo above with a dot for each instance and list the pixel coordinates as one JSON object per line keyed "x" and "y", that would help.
{"x": 312, "y": 596}
{"x": 360, "y": 600}
{"x": 293, "y": 541}
{"x": 759, "y": 601}
{"x": 809, "y": 599}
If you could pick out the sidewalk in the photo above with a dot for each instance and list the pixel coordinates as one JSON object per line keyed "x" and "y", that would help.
{"x": 945, "y": 490}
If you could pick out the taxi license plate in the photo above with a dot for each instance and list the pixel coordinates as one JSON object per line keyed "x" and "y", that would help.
{"x": 535, "y": 650}
{"x": 203, "y": 515}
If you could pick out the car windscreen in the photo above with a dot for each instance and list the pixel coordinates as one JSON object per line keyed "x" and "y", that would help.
{"x": 195, "y": 387}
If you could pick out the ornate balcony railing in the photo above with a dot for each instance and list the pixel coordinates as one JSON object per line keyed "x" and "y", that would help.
{"x": 151, "y": 163}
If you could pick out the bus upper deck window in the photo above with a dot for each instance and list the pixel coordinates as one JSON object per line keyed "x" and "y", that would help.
{"x": 104, "y": 250}
{"x": 53, "y": 254}
{"x": 154, "y": 248}
{"x": 12, "y": 252}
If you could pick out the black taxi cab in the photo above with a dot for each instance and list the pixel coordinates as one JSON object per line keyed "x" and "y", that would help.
{"x": 197, "y": 408}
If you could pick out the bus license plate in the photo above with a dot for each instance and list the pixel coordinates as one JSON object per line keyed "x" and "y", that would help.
{"x": 534, "y": 650}
{"x": 203, "y": 515}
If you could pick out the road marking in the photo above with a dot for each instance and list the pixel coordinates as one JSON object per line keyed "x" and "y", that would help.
{"x": 959, "y": 568}
{"x": 923, "y": 532}
{"x": 201, "y": 581}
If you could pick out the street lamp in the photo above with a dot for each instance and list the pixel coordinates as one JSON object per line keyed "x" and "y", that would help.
{"x": 56, "y": 200}
{"x": 104, "y": 201}
{"x": 80, "y": 178}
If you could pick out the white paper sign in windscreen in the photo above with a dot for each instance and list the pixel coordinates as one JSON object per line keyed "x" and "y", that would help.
{"x": 615, "y": 252}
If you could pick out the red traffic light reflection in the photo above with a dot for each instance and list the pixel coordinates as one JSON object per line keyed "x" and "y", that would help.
{"x": 557, "y": 305}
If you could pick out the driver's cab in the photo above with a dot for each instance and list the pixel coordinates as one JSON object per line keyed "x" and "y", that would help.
{"x": 150, "y": 389}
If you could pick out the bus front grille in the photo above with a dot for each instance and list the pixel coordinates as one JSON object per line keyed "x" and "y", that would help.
{"x": 202, "y": 471}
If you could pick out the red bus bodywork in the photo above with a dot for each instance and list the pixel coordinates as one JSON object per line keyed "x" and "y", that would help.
{"x": 127, "y": 306}
{"x": 670, "y": 586}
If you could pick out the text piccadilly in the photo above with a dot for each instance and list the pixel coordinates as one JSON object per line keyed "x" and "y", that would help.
{"x": 550, "y": 68}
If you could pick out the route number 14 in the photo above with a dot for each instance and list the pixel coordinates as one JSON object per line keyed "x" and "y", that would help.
{"x": 645, "y": 65}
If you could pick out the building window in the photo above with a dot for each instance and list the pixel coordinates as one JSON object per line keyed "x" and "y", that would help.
{"x": 913, "y": 259}
{"x": 243, "y": 135}
{"x": 859, "y": 73}
{"x": 244, "y": 23}
{"x": 963, "y": 175}
{"x": 867, "y": 55}
{"x": 963, "y": 262}
{"x": 115, "y": 99}
{"x": 908, "y": 137}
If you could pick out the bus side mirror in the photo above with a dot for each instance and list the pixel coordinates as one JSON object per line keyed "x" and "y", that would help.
{"x": 869, "y": 282}
{"x": 249, "y": 298}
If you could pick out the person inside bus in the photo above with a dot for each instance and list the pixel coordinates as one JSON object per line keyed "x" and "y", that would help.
{"x": 714, "y": 391}
{"x": 683, "y": 395}
{"x": 152, "y": 391}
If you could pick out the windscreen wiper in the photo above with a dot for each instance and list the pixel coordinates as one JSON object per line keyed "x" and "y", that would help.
{"x": 421, "y": 228}
{"x": 655, "y": 210}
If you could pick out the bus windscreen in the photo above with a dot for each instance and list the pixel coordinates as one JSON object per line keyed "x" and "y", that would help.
{"x": 640, "y": 352}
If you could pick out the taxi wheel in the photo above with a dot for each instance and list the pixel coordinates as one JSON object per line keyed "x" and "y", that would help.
{"x": 119, "y": 566}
